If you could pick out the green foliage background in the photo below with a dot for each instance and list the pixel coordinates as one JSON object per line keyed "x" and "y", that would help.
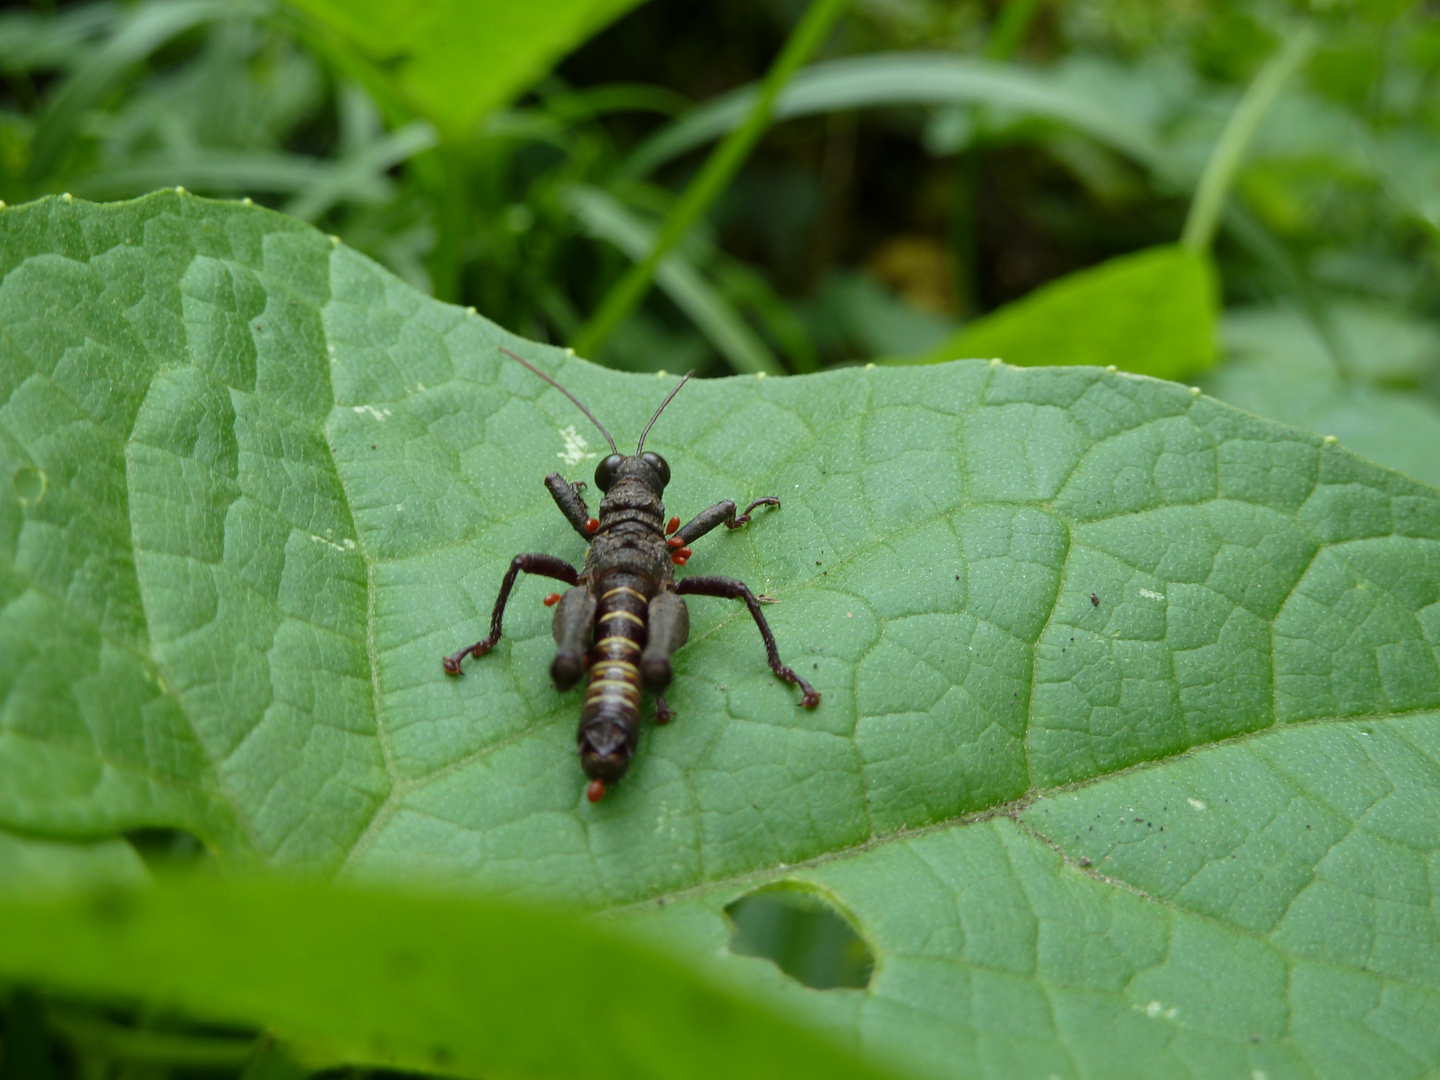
{"x": 1125, "y": 764}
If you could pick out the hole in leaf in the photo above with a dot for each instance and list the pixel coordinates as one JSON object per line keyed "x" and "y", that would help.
{"x": 803, "y": 935}
{"x": 166, "y": 848}
{"x": 30, "y": 484}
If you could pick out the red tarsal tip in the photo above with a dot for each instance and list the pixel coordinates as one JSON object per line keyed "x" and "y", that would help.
{"x": 591, "y": 525}
{"x": 552, "y": 599}
{"x": 673, "y": 524}
{"x": 679, "y": 560}
{"x": 596, "y": 791}
{"x": 685, "y": 551}
{"x": 675, "y": 542}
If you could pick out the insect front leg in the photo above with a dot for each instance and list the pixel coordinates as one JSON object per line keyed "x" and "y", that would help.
{"x": 567, "y": 497}
{"x": 573, "y": 626}
{"x": 668, "y": 625}
{"x": 731, "y": 589}
{"x": 548, "y": 565}
{"x": 722, "y": 512}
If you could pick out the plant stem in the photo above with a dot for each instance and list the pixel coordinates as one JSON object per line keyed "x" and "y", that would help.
{"x": 1234, "y": 140}
{"x": 1010, "y": 27}
{"x": 719, "y": 167}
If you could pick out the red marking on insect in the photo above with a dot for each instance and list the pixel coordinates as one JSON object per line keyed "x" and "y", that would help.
{"x": 552, "y": 599}
{"x": 591, "y": 525}
{"x": 675, "y": 542}
{"x": 596, "y": 791}
{"x": 672, "y": 525}
{"x": 681, "y": 557}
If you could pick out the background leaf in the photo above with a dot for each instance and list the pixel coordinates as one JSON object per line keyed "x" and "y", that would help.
{"x": 1152, "y": 313}
{"x": 260, "y": 486}
{"x": 455, "y": 60}
{"x": 1281, "y": 368}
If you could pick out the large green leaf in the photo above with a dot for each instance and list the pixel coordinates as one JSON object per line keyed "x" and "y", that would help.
{"x": 1152, "y": 313}
{"x": 455, "y": 60}
{"x": 257, "y": 487}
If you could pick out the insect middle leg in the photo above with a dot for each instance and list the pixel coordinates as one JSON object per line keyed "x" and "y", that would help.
{"x": 731, "y": 589}
{"x": 722, "y": 512}
{"x": 548, "y": 565}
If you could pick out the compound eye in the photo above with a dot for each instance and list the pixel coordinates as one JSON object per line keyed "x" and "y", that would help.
{"x": 605, "y": 472}
{"x": 658, "y": 463}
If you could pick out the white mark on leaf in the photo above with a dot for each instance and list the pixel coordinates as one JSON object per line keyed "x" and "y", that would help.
{"x": 1151, "y": 594}
{"x": 576, "y": 448}
{"x": 1156, "y": 1010}
{"x": 379, "y": 414}
{"x": 1196, "y": 803}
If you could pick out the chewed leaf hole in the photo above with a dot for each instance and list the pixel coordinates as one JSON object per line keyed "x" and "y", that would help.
{"x": 29, "y": 483}
{"x": 803, "y": 935}
{"x": 166, "y": 848}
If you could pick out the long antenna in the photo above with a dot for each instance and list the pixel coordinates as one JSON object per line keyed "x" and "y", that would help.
{"x": 576, "y": 400}
{"x": 661, "y": 409}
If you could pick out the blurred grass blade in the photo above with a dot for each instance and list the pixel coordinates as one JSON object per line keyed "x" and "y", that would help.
{"x": 1152, "y": 313}
{"x": 719, "y": 167}
{"x": 317, "y": 184}
{"x": 578, "y": 105}
{"x": 31, "y": 40}
{"x": 231, "y": 171}
{"x": 362, "y": 170}
{"x": 608, "y": 220}
{"x": 1012, "y": 24}
{"x": 1234, "y": 140}
{"x": 899, "y": 79}
{"x": 468, "y": 987}
{"x": 748, "y": 287}
{"x": 148, "y": 27}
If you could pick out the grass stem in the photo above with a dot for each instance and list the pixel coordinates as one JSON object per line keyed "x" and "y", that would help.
{"x": 1234, "y": 141}
{"x": 722, "y": 164}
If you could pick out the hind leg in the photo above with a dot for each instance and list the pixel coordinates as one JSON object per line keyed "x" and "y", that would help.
{"x": 730, "y": 589}
{"x": 667, "y": 627}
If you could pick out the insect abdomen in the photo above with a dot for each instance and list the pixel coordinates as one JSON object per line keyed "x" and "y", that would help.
{"x": 610, "y": 715}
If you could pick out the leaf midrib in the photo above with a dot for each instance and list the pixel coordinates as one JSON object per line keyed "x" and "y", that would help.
{"x": 1011, "y": 810}
{"x": 400, "y": 787}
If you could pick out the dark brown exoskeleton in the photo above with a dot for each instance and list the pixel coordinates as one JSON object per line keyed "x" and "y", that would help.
{"x": 624, "y": 618}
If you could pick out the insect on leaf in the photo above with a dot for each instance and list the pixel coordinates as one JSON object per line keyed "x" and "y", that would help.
{"x": 1128, "y": 762}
